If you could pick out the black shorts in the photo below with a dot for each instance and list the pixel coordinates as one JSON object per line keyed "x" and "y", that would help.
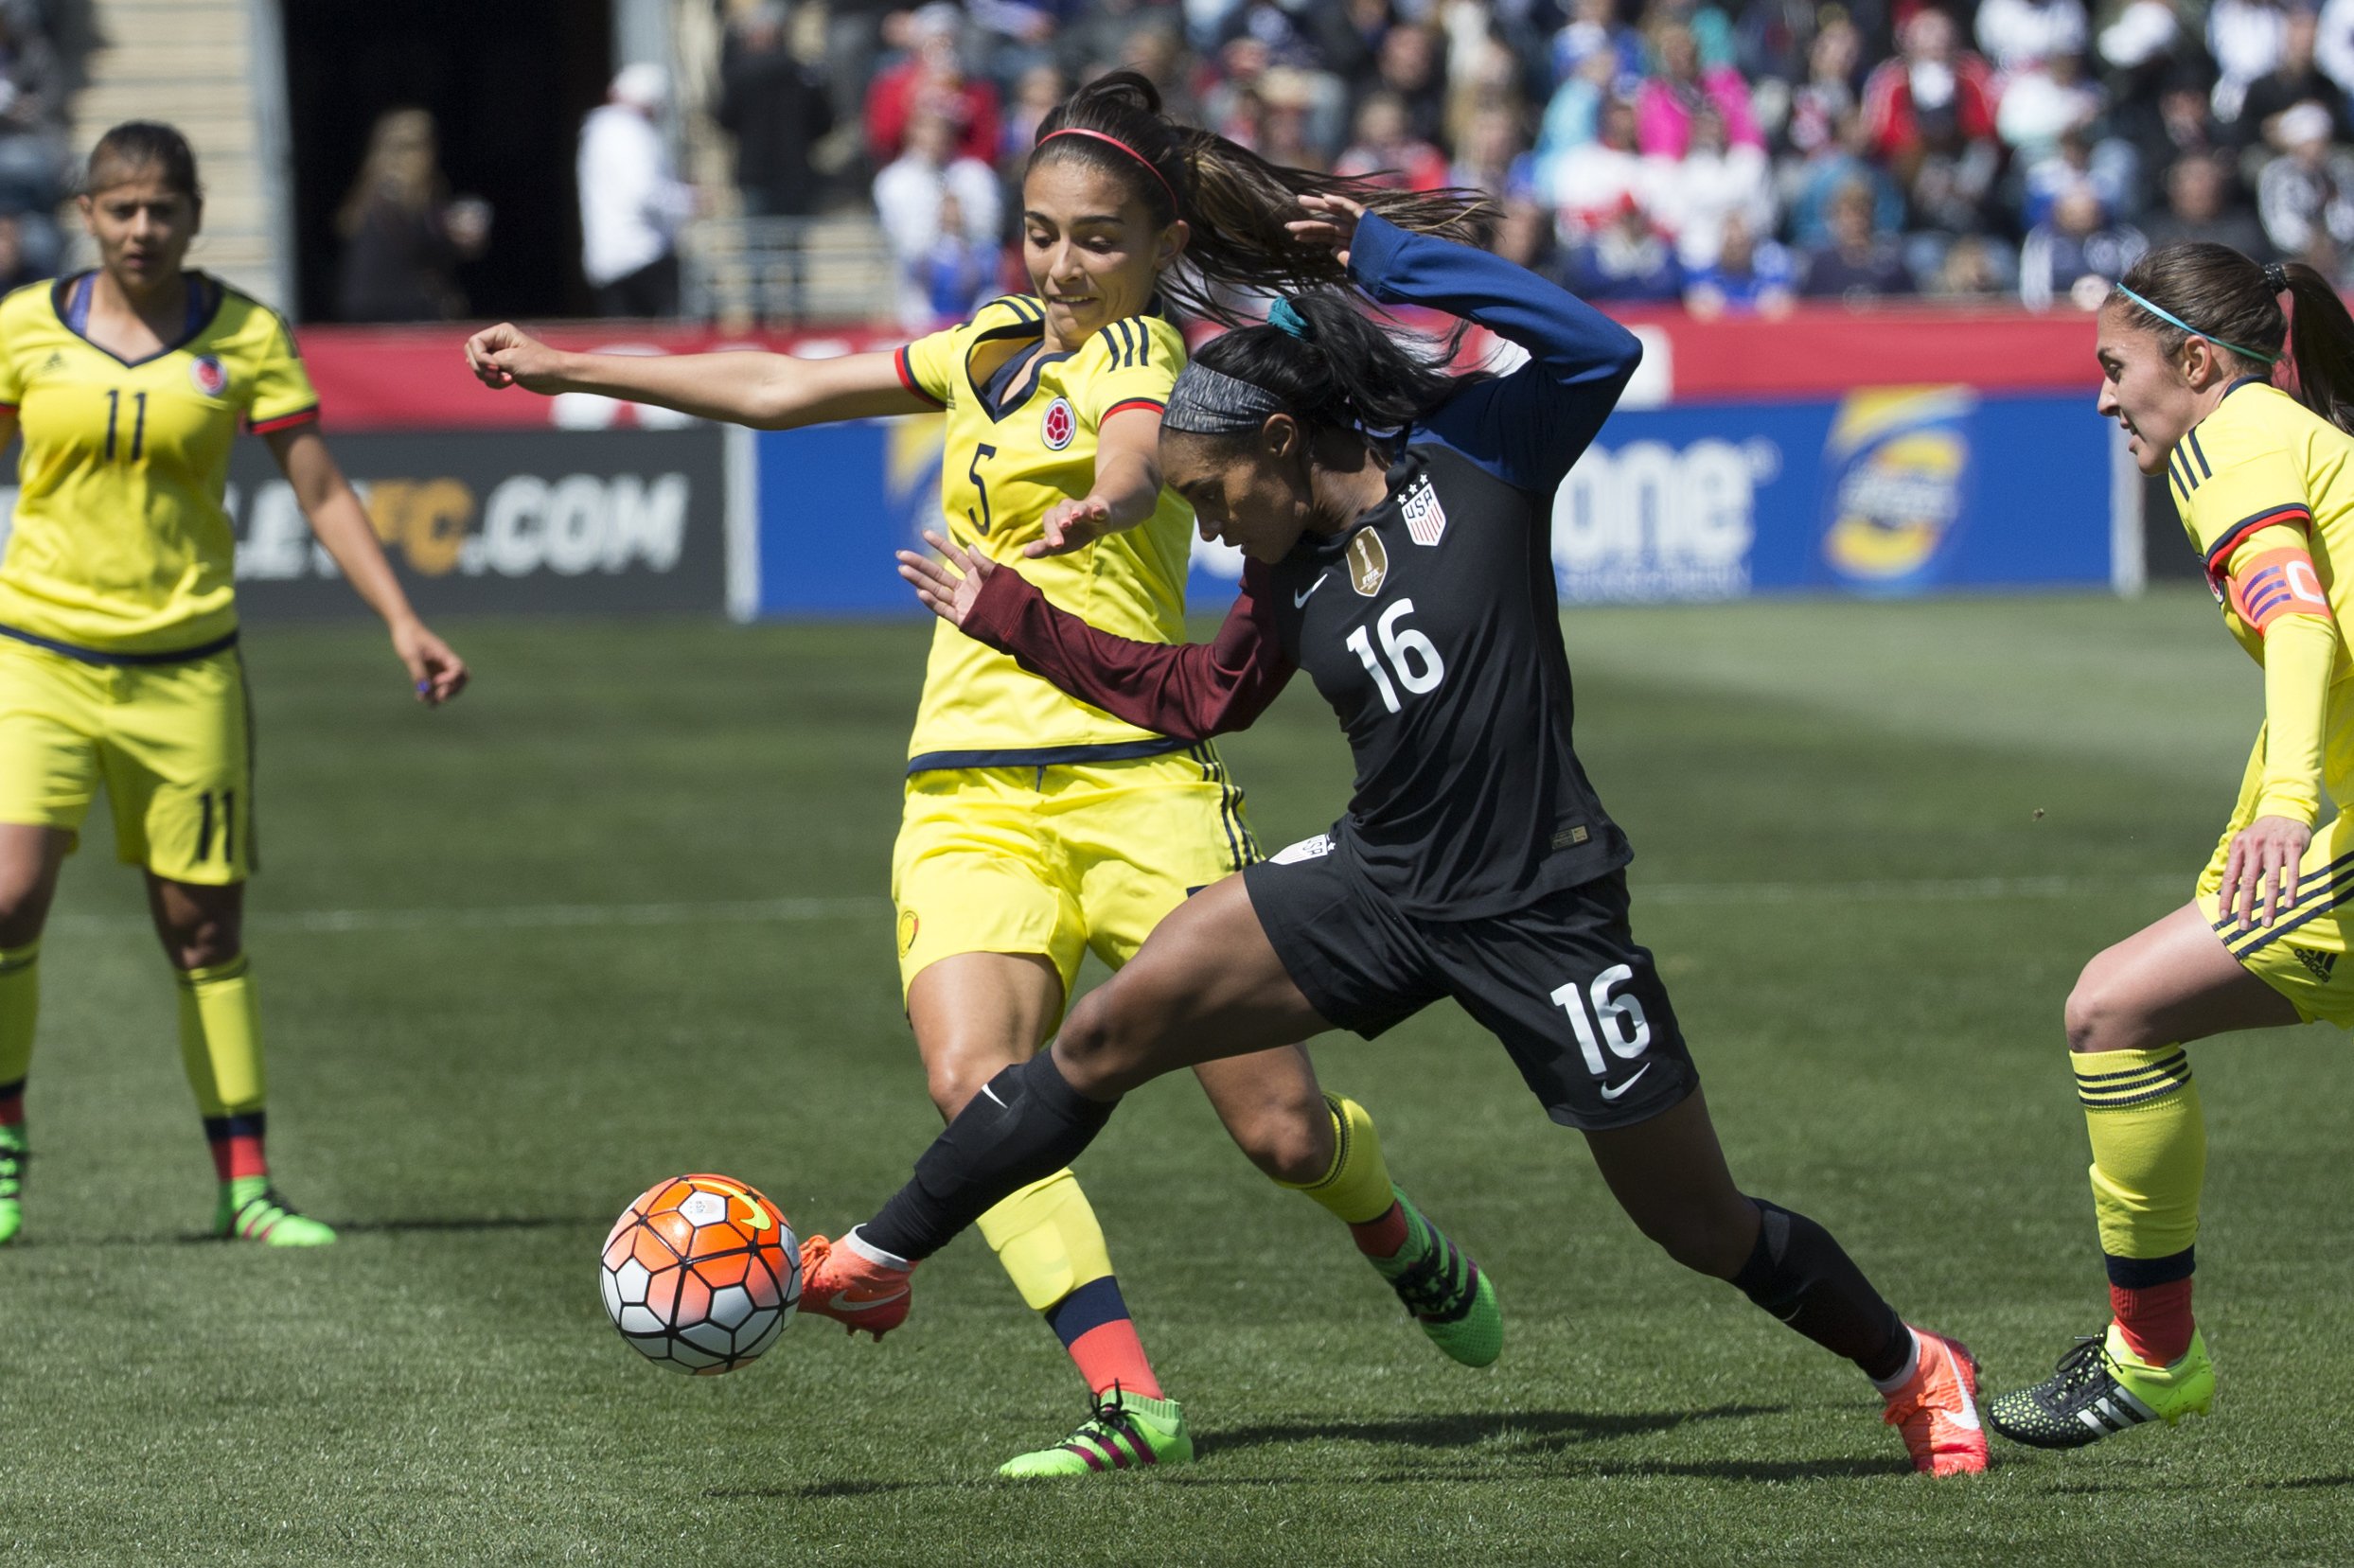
{"x": 1562, "y": 982}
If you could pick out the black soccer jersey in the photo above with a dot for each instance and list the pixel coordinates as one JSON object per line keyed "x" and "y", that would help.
{"x": 1430, "y": 624}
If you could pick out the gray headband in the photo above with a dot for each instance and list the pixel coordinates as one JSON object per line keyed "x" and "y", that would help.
{"x": 1209, "y": 402}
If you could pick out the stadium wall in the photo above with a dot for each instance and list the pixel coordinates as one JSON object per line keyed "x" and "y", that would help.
{"x": 1878, "y": 453}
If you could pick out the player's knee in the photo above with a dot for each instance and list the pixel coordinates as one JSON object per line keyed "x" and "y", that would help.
{"x": 200, "y": 941}
{"x": 2100, "y": 1016}
{"x": 1284, "y": 1144}
{"x": 23, "y": 911}
{"x": 954, "y": 1078}
{"x": 1704, "y": 1239}
{"x": 1101, "y": 1049}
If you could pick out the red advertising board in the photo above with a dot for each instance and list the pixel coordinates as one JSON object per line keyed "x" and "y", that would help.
{"x": 415, "y": 377}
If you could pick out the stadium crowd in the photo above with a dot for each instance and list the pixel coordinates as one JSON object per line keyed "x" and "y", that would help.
{"x": 1732, "y": 154}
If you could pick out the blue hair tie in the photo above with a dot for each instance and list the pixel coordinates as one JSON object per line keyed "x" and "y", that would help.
{"x": 2257, "y": 354}
{"x": 1287, "y": 320}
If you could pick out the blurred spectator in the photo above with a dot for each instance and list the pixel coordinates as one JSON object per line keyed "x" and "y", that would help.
{"x": 777, "y": 112}
{"x": 1625, "y": 259}
{"x": 33, "y": 152}
{"x": 954, "y": 275}
{"x": 1774, "y": 39}
{"x": 1827, "y": 95}
{"x": 1930, "y": 116}
{"x": 2043, "y": 101}
{"x": 2075, "y": 165}
{"x": 1156, "y": 47}
{"x": 914, "y": 196}
{"x": 1388, "y": 151}
{"x": 2200, "y": 204}
{"x": 1591, "y": 183}
{"x": 2076, "y": 254}
{"x": 1973, "y": 269}
{"x": 933, "y": 77}
{"x": 2297, "y": 80}
{"x": 402, "y": 235}
{"x": 1494, "y": 157}
{"x": 1859, "y": 261}
{"x": 2334, "y": 44}
{"x": 2015, "y": 34}
{"x": 2247, "y": 39}
{"x": 1016, "y": 34}
{"x": 1665, "y": 104}
{"x": 1594, "y": 28}
{"x": 17, "y": 268}
{"x": 1844, "y": 161}
{"x": 1748, "y": 277}
{"x": 1694, "y": 196}
{"x": 1035, "y": 95}
{"x": 631, "y": 204}
{"x": 1573, "y": 115}
{"x": 1411, "y": 64}
{"x": 2306, "y": 195}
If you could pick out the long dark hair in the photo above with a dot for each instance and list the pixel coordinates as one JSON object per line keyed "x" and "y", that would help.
{"x": 2234, "y": 302}
{"x": 1339, "y": 370}
{"x": 1234, "y": 202}
{"x": 136, "y": 146}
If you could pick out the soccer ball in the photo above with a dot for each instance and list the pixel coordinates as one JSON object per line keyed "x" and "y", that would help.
{"x": 700, "y": 1274}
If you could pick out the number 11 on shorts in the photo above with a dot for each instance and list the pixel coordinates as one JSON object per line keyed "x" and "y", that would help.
{"x": 1617, "y": 1022}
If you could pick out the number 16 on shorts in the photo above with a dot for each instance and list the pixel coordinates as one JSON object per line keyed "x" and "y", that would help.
{"x": 1603, "y": 1021}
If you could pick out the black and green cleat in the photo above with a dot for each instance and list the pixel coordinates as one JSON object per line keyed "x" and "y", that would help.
{"x": 1446, "y": 1293}
{"x": 2099, "y": 1389}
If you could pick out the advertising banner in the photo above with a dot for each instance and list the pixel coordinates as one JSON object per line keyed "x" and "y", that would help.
{"x": 503, "y": 522}
{"x": 1887, "y": 491}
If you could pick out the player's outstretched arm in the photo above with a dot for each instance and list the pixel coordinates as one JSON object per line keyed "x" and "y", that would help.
{"x": 1126, "y": 490}
{"x": 1189, "y": 690}
{"x": 435, "y": 673}
{"x": 766, "y": 391}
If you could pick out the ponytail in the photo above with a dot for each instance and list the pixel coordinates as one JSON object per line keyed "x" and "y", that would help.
{"x": 1327, "y": 366}
{"x": 1234, "y": 202}
{"x": 2214, "y": 293}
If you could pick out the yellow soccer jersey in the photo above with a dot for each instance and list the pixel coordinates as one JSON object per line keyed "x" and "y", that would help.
{"x": 121, "y": 544}
{"x": 1012, "y": 453}
{"x": 2263, "y": 484}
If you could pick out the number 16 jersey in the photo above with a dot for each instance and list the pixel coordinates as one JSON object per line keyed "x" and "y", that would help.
{"x": 121, "y": 543}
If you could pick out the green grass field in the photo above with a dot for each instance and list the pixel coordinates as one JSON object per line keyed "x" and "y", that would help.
{"x": 621, "y": 912}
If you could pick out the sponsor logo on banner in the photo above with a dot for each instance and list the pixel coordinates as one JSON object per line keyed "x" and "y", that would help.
{"x": 1896, "y": 479}
{"x": 1058, "y": 425}
{"x": 1369, "y": 562}
{"x": 500, "y": 521}
{"x": 1649, "y": 521}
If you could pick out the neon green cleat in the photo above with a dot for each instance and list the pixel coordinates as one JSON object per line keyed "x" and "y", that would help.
{"x": 252, "y": 1210}
{"x": 1127, "y": 1431}
{"x": 1446, "y": 1293}
{"x": 13, "y": 1156}
{"x": 2099, "y": 1390}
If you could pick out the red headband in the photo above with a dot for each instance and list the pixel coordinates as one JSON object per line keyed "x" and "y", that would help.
{"x": 1076, "y": 130}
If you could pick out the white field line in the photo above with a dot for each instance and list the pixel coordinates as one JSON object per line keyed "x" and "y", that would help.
{"x": 761, "y": 912}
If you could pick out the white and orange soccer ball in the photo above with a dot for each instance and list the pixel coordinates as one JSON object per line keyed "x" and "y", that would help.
{"x": 700, "y": 1274}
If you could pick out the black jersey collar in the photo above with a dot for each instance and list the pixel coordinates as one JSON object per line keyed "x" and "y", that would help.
{"x": 205, "y": 299}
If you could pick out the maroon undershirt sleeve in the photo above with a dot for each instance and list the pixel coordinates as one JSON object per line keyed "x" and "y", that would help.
{"x": 1188, "y": 691}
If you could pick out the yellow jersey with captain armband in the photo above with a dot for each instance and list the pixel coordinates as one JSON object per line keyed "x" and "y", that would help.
{"x": 2266, "y": 491}
{"x": 122, "y": 545}
{"x": 1020, "y": 437}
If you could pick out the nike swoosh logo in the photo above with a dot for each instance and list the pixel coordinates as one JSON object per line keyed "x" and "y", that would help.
{"x": 844, "y": 1302}
{"x": 1609, "y": 1093}
{"x": 994, "y": 1099}
{"x": 1299, "y": 600}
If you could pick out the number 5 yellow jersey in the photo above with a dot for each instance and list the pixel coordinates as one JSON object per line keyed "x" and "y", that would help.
{"x": 122, "y": 545}
{"x": 1015, "y": 447}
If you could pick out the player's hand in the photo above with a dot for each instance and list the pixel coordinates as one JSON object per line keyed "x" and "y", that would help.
{"x": 1331, "y": 222}
{"x": 947, "y": 594}
{"x": 1070, "y": 525}
{"x": 505, "y": 356}
{"x": 2261, "y": 872}
{"x": 437, "y": 674}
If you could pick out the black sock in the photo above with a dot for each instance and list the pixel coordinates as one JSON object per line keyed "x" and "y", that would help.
{"x": 1803, "y": 1276}
{"x": 1027, "y": 1123}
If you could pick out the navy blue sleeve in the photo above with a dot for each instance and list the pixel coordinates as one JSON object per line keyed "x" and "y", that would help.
{"x": 1529, "y": 427}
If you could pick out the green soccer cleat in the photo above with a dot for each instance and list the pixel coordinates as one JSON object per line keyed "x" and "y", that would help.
{"x": 2100, "y": 1388}
{"x": 252, "y": 1210}
{"x": 1446, "y": 1293}
{"x": 14, "y": 1155}
{"x": 1127, "y": 1431}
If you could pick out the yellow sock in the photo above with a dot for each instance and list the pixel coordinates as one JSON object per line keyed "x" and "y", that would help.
{"x": 1357, "y": 1189}
{"x": 1045, "y": 1237}
{"x": 220, "y": 1039}
{"x": 2149, "y": 1156}
{"x": 20, "y": 1005}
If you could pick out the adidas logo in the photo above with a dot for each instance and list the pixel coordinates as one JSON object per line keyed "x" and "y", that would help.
{"x": 55, "y": 361}
{"x": 2320, "y": 963}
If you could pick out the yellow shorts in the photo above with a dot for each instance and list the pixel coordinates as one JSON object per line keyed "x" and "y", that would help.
{"x": 172, "y": 743}
{"x": 2301, "y": 954}
{"x": 1060, "y": 860}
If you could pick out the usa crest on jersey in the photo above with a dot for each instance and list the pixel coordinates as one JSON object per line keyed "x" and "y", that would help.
{"x": 1425, "y": 519}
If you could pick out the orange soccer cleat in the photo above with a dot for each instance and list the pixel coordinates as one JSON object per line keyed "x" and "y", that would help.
{"x": 840, "y": 1281}
{"x": 1936, "y": 1408}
